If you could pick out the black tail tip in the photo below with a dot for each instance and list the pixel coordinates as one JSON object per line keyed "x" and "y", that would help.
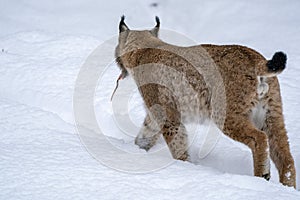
{"x": 278, "y": 62}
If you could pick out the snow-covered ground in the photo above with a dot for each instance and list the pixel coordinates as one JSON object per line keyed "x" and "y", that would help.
{"x": 44, "y": 44}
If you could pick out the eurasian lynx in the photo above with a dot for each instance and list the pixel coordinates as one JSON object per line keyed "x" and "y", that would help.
{"x": 231, "y": 85}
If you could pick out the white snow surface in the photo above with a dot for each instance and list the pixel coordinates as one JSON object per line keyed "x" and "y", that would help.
{"x": 43, "y": 45}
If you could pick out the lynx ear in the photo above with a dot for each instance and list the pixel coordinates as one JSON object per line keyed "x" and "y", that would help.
{"x": 155, "y": 30}
{"x": 122, "y": 25}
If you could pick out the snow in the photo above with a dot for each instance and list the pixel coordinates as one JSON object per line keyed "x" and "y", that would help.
{"x": 44, "y": 45}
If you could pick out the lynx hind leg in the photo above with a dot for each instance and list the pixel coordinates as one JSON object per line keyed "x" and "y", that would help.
{"x": 148, "y": 134}
{"x": 176, "y": 139}
{"x": 242, "y": 130}
{"x": 278, "y": 141}
{"x": 280, "y": 151}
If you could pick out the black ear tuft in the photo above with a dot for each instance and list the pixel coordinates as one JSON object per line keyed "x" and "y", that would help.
{"x": 122, "y": 25}
{"x": 277, "y": 62}
{"x": 122, "y": 19}
{"x": 157, "y": 22}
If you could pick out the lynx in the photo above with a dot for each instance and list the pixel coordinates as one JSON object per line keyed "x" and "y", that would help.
{"x": 233, "y": 86}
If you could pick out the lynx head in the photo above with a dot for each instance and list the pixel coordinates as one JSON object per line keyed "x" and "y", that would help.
{"x": 132, "y": 39}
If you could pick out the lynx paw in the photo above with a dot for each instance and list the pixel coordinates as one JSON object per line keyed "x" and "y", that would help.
{"x": 267, "y": 176}
{"x": 145, "y": 143}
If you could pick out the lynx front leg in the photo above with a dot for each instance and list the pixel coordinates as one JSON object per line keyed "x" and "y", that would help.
{"x": 176, "y": 138}
{"x": 148, "y": 134}
{"x": 164, "y": 112}
{"x": 242, "y": 130}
